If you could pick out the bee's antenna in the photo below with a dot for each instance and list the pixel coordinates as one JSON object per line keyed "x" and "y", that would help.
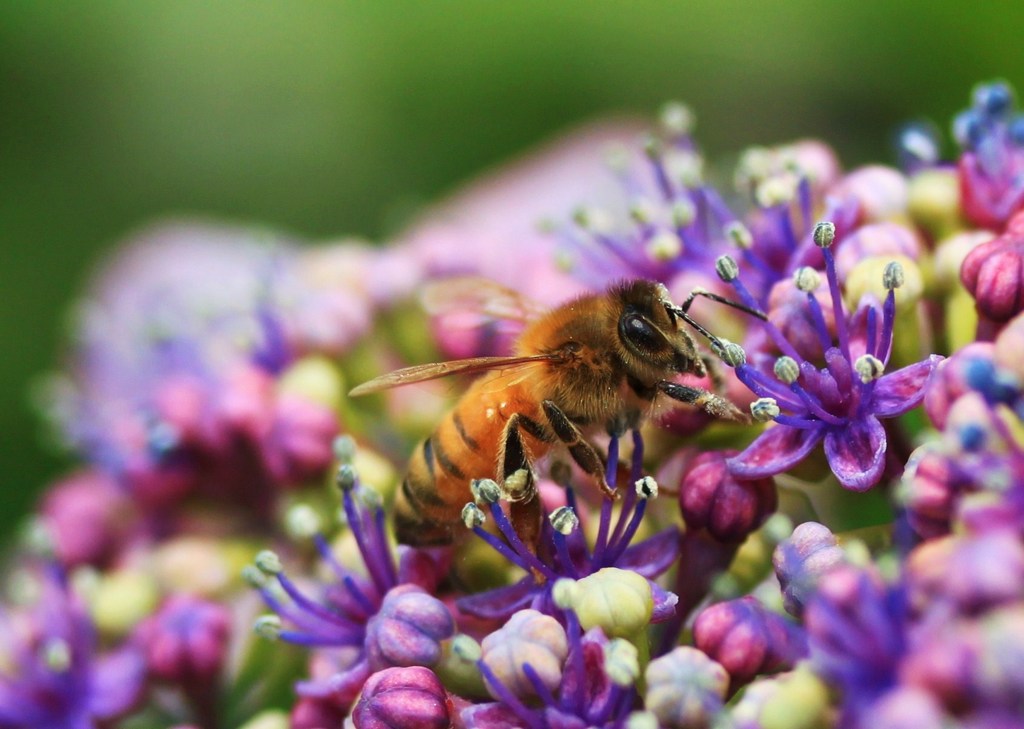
{"x": 731, "y": 353}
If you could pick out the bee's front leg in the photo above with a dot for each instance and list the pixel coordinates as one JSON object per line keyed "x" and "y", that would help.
{"x": 581, "y": 451}
{"x": 712, "y": 404}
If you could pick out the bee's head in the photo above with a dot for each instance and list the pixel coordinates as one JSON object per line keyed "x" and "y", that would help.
{"x": 653, "y": 343}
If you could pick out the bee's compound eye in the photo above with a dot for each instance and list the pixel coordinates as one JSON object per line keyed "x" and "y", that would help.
{"x": 639, "y": 332}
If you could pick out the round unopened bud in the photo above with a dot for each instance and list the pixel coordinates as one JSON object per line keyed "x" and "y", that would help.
{"x": 664, "y": 246}
{"x": 868, "y": 367}
{"x": 268, "y": 562}
{"x": 186, "y": 640}
{"x": 564, "y": 520}
{"x": 344, "y": 448}
{"x": 726, "y": 268}
{"x": 529, "y": 637}
{"x": 646, "y": 488}
{"x": 485, "y": 490}
{"x": 684, "y": 212}
{"x": 618, "y": 601}
{"x": 892, "y": 277}
{"x": 806, "y": 279}
{"x": 801, "y": 560}
{"x": 711, "y": 498}
{"x": 778, "y": 189}
{"x": 824, "y": 234}
{"x": 786, "y": 369}
{"x": 472, "y": 516}
{"x": 677, "y": 119}
{"x": 739, "y": 234}
{"x": 409, "y": 697}
{"x": 748, "y": 639}
{"x": 268, "y": 627}
{"x": 621, "y": 662}
{"x": 685, "y": 688}
{"x": 764, "y": 409}
{"x": 408, "y": 629}
{"x": 346, "y": 477}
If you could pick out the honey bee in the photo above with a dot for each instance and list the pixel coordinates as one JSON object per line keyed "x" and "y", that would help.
{"x": 600, "y": 361}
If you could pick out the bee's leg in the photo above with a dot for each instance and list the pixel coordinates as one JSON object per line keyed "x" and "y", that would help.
{"x": 709, "y": 402}
{"x": 517, "y": 479}
{"x": 582, "y": 452}
{"x": 712, "y": 365}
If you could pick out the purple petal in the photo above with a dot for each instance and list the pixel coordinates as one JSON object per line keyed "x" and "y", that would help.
{"x": 116, "y": 683}
{"x": 500, "y": 602}
{"x": 899, "y": 391}
{"x": 776, "y": 450}
{"x": 652, "y": 556}
{"x": 664, "y": 603}
{"x": 342, "y": 687}
{"x": 856, "y": 453}
{"x": 489, "y": 716}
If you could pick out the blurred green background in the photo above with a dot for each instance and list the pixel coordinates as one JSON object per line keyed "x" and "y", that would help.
{"x": 332, "y": 118}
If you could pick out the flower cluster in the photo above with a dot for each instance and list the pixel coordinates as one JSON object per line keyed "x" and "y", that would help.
{"x": 201, "y": 568}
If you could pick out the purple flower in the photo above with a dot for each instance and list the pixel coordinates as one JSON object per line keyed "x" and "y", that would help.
{"x": 563, "y": 551}
{"x": 55, "y": 679}
{"x": 345, "y": 623}
{"x": 991, "y": 166}
{"x": 857, "y": 634}
{"x": 840, "y": 403}
{"x": 172, "y": 383}
{"x": 595, "y": 688}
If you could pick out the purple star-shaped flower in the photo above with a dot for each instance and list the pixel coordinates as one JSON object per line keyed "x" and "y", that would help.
{"x": 841, "y": 403}
{"x": 563, "y": 552}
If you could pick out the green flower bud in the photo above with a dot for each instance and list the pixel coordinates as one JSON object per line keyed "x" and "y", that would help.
{"x": 617, "y": 601}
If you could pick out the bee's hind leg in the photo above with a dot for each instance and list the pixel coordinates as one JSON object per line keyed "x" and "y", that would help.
{"x": 582, "y": 452}
{"x": 518, "y": 483}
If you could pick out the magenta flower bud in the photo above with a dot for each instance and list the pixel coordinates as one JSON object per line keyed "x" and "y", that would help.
{"x": 728, "y": 508}
{"x": 800, "y": 561}
{"x": 186, "y": 641}
{"x": 880, "y": 239}
{"x": 312, "y": 712}
{"x": 994, "y": 275}
{"x": 408, "y": 629}
{"x": 974, "y": 573}
{"x": 929, "y": 491}
{"x": 298, "y": 446}
{"x": 85, "y": 515}
{"x": 881, "y": 192}
{"x": 748, "y": 639}
{"x": 950, "y": 380}
{"x": 403, "y": 698}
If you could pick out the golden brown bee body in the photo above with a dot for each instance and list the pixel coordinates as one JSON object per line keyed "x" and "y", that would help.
{"x": 596, "y": 362}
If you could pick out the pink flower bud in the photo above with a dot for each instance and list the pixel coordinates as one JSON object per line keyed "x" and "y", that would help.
{"x": 316, "y": 713}
{"x": 930, "y": 488}
{"x": 882, "y": 192}
{"x": 298, "y": 447}
{"x": 950, "y": 381}
{"x": 747, "y": 639}
{"x": 85, "y": 515}
{"x": 408, "y": 629}
{"x": 713, "y": 499}
{"x": 186, "y": 641}
{"x": 994, "y": 275}
{"x": 800, "y": 561}
{"x": 403, "y": 698}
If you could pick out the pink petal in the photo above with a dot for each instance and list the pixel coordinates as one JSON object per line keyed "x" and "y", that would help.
{"x": 899, "y": 391}
{"x": 489, "y": 716}
{"x": 776, "y": 450}
{"x": 664, "y": 603}
{"x": 117, "y": 681}
{"x": 857, "y": 453}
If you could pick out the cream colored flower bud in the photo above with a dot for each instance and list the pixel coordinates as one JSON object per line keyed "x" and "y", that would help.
{"x": 615, "y": 600}
{"x": 529, "y": 637}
